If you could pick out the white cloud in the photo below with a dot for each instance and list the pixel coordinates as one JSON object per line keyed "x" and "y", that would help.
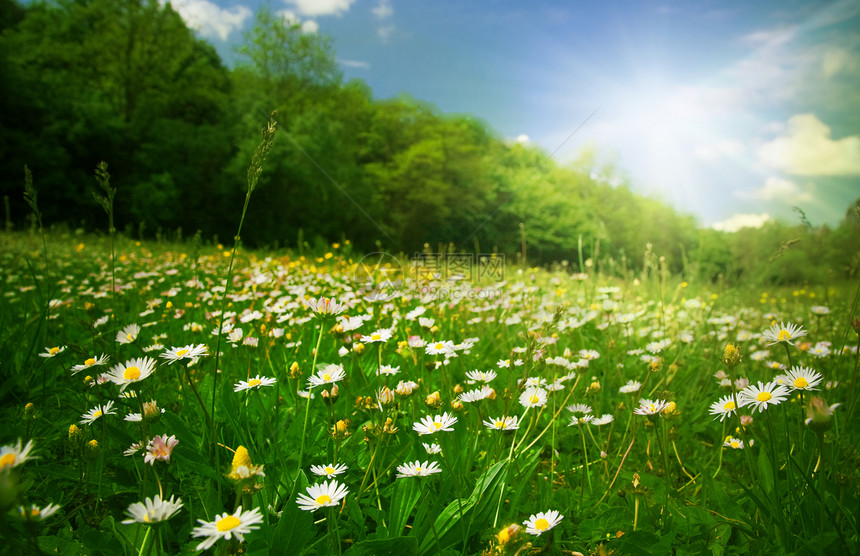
{"x": 383, "y": 9}
{"x": 778, "y": 189}
{"x": 321, "y": 7}
{"x": 310, "y": 26}
{"x": 738, "y": 221}
{"x": 354, "y": 64}
{"x": 522, "y": 138}
{"x": 808, "y": 150}
{"x": 833, "y": 61}
{"x": 385, "y": 31}
{"x": 210, "y": 20}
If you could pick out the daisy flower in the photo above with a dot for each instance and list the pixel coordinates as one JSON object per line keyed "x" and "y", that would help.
{"x": 388, "y": 370}
{"x": 331, "y": 374}
{"x": 190, "y": 352}
{"x": 577, "y": 420}
{"x": 91, "y": 362}
{"x": 131, "y": 371}
{"x": 160, "y": 448}
{"x": 439, "y": 348}
{"x": 13, "y": 456}
{"x": 724, "y": 407}
{"x": 650, "y": 407}
{"x": 476, "y": 395}
{"x": 430, "y": 425}
{"x": 405, "y": 388}
{"x": 382, "y": 335}
{"x": 323, "y": 495}
{"x": 480, "y": 376}
{"x": 783, "y": 332}
{"x": 533, "y": 396}
{"x": 53, "y": 351}
{"x": 227, "y": 526}
{"x": 128, "y": 334}
{"x": 502, "y": 423}
{"x": 762, "y": 395}
{"x": 35, "y": 513}
{"x": 602, "y": 420}
{"x": 801, "y": 378}
{"x": 90, "y": 416}
{"x": 417, "y": 469}
{"x": 153, "y": 510}
{"x": 325, "y": 306}
{"x": 579, "y": 408}
{"x": 631, "y": 387}
{"x": 820, "y": 310}
{"x": 328, "y": 470}
{"x": 432, "y": 448}
{"x": 589, "y": 354}
{"x": 542, "y": 522}
{"x": 256, "y": 382}
{"x": 732, "y": 442}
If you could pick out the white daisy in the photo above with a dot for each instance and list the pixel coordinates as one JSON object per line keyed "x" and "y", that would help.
{"x": 432, "y": 448}
{"x": 52, "y": 351}
{"x": 325, "y": 306}
{"x": 90, "y": 416}
{"x": 417, "y": 469}
{"x": 762, "y": 395}
{"x": 631, "y": 387}
{"x": 257, "y": 382}
{"x": 502, "y": 423}
{"x": 128, "y": 334}
{"x": 35, "y": 513}
{"x": 724, "y": 407}
{"x": 331, "y": 374}
{"x": 445, "y": 347}
{"x": 131, "y": 372}
{"x": 13, "y": 456}
{"x": 650, "y": 407}
{"x": 430, "y": 425}
{"x": 160, "y": 448}
{"x": 388, "y": 370}
{"x": 801, "y": 378}
{"x": 732, "y": 442}
{"x": 382, "y": 335}
{"x": 783, "y": 332}
{"x": 602, "y": 420}
{"x": 477, "y": 395}
{"x": 323, "y": 495}
{"x": 153, "y": 510}
{"x": 190, "y": 351}
{"x": 91, "y": 362}
{"x": 227, "y": 526}
{"x": 328, "y": 470}
{"x": 542, "y": 522}
{"x": 533, "y": 396}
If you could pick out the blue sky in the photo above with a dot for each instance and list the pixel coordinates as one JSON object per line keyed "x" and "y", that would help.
{"x": 734, "y": 112}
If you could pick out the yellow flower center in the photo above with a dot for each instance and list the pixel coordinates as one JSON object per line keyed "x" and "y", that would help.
{"x": 240, "y": 458}
{"x": 324, "y": 499}
{"x": 229, "y": 522}
{"x": 440, "y": 345}
{"x": 541, "y": 524}
{"x": 54, "y": 350}
{"x": 652, "y": 408}
{"x": 735, "y": 444}
{"x": 147, "y": 519}
{"x": 131, "y": 373}
{"x": 763, "y": 396}
{"x": 34, "y": 512}
{"x": 90, "y": 362}
{"x": 254, "y": 382}
{"x": 181, "y": 352}
{"x": 800, "y": 382}
{"x": 130, "y": 337}
{"x": 98, "y": 413}
{"x": 437, "y": 424}
{"x": 729, "y": 406}
{"x": 329, "y": 470}
{"x": 7, "y": 461}
{"x": 500, "y": 424}
{"x": 376, "y": 336}
{"x": 418, "y": 470}
{"x": 534, "y": 399}
{"x": 783, "y": 335}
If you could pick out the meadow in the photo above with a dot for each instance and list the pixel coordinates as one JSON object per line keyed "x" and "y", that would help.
{"x": 168, "y": 398}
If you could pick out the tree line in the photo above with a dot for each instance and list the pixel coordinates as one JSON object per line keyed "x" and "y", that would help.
{"x": 127, "y": 82}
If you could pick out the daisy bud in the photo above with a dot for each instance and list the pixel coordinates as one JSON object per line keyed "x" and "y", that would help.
{"x": 29, "y": 411}
{"x": 456, "y": 405}
{"x": 505, "y": 535}
{"x": 92, "y": 450}
{"x": 294, "y": 370}
{"x": 731, "y": 356}
{"x": 358, "y": 348}
{"x": 434, "y": 400}
{"x": 593, "y": 388}
{"x": 655, "y": 365}
{"x": 341, "y": 429}
{"x": 151, "y": 412}
{"x": 458, "y": 389}
{"x": 819, "y": 414}
{"x": 76, "y": 435}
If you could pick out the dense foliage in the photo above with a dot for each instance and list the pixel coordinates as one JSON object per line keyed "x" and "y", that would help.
{"x": 127, "y": 82}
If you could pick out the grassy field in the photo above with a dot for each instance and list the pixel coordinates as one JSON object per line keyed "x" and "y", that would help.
{"x": 177, "y": 397}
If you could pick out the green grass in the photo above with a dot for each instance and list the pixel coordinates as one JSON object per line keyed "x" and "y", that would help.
{"x": 635, "y": 485}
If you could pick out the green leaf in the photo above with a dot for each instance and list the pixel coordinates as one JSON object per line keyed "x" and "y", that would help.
{"x": 296, "y": 526}
{"x": 398, "y": 546}
{"x": 765, "y": 472}
{"x": 406, "y": 494}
